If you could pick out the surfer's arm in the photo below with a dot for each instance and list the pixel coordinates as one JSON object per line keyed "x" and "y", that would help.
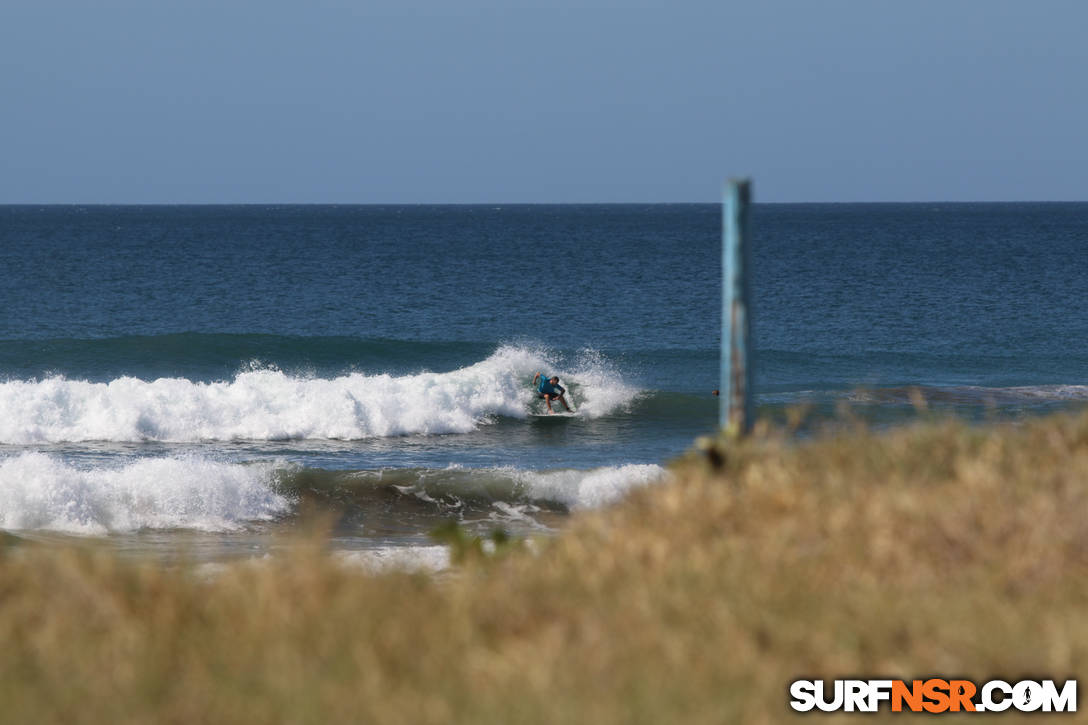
{"x": 536, "y": 378}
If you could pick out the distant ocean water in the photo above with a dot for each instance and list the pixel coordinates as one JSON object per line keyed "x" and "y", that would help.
{"x": 188, "y": 379}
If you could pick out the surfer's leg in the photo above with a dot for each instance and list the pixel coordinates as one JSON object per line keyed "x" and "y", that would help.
{"x": 548, "y": 400}
{"x": 564, "y": 402}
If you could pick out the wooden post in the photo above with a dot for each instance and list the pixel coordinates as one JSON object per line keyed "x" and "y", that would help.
{"x": 735, "y": 394}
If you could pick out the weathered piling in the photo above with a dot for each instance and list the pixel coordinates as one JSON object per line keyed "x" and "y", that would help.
{"x": 735, "y": 400}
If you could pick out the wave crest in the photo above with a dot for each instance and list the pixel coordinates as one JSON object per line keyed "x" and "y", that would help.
{"x": 268, "y": 404}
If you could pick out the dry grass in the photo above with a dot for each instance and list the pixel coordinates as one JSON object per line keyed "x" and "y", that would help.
{"x": 932, "y": 550}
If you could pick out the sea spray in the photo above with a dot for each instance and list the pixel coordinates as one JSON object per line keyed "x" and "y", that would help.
{"x": 603, "y": 388}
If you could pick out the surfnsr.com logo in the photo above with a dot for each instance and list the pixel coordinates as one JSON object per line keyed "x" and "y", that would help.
{"x": 933, "y": 696}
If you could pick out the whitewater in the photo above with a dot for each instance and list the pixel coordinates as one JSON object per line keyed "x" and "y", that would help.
{"x": 39, "y": 491}
{"x": 271, "y": 405}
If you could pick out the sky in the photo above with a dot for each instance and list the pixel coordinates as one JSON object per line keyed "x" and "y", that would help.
{"x": 431, "y": 101}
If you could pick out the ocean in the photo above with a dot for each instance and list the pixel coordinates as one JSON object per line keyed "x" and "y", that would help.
{"x": 194, "y": 382}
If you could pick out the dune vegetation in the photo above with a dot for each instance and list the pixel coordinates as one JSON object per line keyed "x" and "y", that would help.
{"x": 934, "y": 549}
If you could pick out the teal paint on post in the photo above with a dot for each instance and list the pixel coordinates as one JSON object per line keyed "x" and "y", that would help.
{"x": 735, "y": 409}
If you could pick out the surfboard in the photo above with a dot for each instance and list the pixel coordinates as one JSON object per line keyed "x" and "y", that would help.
{"x": 556, "y": 414}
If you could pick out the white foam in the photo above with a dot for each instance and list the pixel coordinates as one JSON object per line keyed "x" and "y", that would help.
{"x": 38, "y": 491}
{"x": 398, "y": 558}
{"x": 272, "y": 405}
{"x": 1046, "y": 392}
{"x": 590, "y": 489}
{"x": 601, "y": 387}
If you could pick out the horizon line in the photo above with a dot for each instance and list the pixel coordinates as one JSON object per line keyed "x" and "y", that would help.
{"x": 525, "y": 203}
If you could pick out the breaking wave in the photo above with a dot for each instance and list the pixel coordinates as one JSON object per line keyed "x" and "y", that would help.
{"x": 40, "y": 491}
{"x": 269, "y": 404}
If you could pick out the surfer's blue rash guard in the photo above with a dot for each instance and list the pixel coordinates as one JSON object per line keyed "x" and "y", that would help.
{"x": 546, "y": 386}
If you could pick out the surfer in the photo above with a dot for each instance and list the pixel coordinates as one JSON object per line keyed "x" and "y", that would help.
{"x": 550, "y": 389}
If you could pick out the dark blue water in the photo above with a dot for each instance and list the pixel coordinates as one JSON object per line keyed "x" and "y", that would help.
{"x": 169, "y": 370}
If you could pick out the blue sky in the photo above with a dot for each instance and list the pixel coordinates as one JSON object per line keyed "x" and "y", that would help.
{"x": 422, "y": 101}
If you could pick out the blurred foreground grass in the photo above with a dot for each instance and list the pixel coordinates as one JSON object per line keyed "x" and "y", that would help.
{"x": 931, "y": 550}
